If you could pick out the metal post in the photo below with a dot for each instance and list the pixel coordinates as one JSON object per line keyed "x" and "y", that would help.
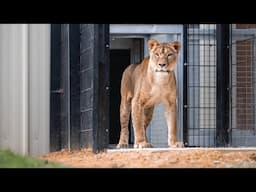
{"x": 222, "y": 97}
{"x": 68, "y": 88}
{"x": 74, "y": 58}
{"x": 101, "y": 89}
{"x": 185, "y": 85}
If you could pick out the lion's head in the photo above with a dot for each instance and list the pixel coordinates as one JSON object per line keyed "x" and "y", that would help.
{"x": 163, "y": 56}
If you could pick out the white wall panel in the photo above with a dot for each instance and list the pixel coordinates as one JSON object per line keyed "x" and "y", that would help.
{"x": 39, "y": 88}
{"x": 24, "y": 85}
{"x": 13, "y": 86}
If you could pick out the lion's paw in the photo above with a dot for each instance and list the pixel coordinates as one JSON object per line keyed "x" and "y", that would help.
{"x": 122, "y": 145}
{"x": 143, "y": 145}
{"x": 176, "y": 145}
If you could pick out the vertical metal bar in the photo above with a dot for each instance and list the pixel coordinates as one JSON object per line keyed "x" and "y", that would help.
{"x": 222, "y": 97}
{"x": 195, "y": 107}
{"x": 65, "y": 83}
{"x": 209, "y": 84}
{"x": 55, "y": 99}
{"x": 215, "y": 62}
{"x": 231, "y": 85}
{"x": 68, "y": 85}
{"x": 101, "y": 88}
{"x": 106, "y": 94}
{"x": 204, "y": 106}
{"x": 185, "y": 84}
{"x": 74, "y": 51}
{"x": 253, "y": 85}
{"x": 95, "y": 88}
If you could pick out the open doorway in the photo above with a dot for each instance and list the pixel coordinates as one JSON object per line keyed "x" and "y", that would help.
{"x": 123, "y": 51}
{"x": 119, "y": 60}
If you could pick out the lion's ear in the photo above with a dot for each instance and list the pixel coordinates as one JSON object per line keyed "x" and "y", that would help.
{"x": 176, "y": 45}
{"x": 152, "y": 43}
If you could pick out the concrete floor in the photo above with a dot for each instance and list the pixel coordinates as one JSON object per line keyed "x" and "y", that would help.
{"x": 185, "y": 149}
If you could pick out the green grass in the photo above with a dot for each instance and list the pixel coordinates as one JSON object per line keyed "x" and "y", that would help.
{"x": 9, "y": 159}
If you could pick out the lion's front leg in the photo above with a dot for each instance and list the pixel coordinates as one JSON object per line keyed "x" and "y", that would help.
{"x": 171, "y": 118}
{"x": 138, "y": 124}
{"x": 148, "y": 114}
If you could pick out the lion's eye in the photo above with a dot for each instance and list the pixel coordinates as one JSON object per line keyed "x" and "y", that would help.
{"x": 156, "y": 54}
{"x": 170, "y": 54}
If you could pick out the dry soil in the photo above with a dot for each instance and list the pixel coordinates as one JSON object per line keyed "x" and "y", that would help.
{"x": 178, "y": 158}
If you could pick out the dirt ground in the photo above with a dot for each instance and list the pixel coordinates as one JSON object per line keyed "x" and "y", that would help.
{"x": 178, "y": 158}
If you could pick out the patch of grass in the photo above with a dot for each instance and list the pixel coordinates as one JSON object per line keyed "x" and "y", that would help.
{"x": 9, "y": 159}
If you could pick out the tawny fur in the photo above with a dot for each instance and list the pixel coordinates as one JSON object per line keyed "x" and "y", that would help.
{"x": 145, "y": 85}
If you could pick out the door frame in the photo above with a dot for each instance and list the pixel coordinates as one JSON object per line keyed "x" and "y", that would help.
{"x": 144, "y": 31}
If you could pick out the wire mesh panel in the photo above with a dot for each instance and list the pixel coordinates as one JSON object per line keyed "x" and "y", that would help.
{"x": 243, "y": 92}
{"x": 201, "y": 85}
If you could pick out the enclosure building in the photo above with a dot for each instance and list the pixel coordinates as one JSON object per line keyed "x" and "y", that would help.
{"x": 61, "y": 84}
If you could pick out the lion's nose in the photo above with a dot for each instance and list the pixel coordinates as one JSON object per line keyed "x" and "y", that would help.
{"x": 161, "y": 64}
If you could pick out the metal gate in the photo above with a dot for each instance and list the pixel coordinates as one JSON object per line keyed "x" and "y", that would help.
{"x": 243, "y": 85}
{"x": 200, "y": 85}
{"x": 219, "y": 85}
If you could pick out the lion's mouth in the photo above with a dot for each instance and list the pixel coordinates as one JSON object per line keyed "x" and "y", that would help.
{"x": 162, "y": 71}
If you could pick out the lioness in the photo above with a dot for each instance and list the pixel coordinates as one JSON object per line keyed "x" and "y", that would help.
{"x": 146, "y": 85}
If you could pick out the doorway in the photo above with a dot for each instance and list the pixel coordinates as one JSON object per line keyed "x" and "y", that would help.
{"x": 123, "y": 52}
{"x": 119, "y": 60}
{"x": 123, "y": 36}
